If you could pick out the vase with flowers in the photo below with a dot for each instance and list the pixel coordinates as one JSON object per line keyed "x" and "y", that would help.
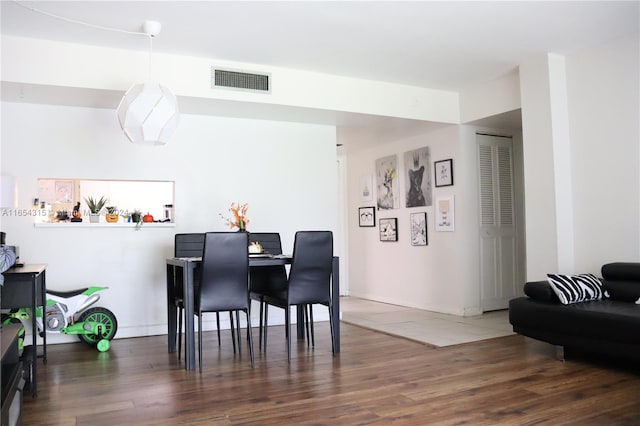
{"x": 239, "y": 219}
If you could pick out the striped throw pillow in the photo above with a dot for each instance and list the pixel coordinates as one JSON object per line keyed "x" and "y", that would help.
{"x": 576, "y": 288}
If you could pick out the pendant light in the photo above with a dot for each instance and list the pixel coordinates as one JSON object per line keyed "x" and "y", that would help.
{"x": 148, "y": 113}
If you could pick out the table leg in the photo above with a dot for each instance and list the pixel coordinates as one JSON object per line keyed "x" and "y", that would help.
{"x": 171, "y": 309}
{"x": 190, "y": 341}
{"x": 335, "y": 301}
{"x": 34, "y": 335}
{"x": 44, "y": 304}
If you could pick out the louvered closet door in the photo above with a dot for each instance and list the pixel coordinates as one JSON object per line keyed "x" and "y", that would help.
{"x": 497, "y": 222}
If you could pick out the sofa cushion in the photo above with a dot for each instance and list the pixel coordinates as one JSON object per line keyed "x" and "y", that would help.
{"x": 540, "y": 290}
{"x": 575, "y": 288}
{"x": 623, "y": 291}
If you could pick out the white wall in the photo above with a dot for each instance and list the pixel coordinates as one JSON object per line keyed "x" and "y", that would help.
{"x": 285, "y": 171}
{"x": 443, "y": 276}
{"x": 603, "y": 100}
{"x": 540, "y": 206}
{"x": 604, "y": 118}
{"x": 432, "y": 277}
{"x": 490, "y": 98}
{"x": 594, "y": 148}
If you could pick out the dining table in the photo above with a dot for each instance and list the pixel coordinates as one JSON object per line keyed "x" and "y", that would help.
{"x": 186, "y": 266}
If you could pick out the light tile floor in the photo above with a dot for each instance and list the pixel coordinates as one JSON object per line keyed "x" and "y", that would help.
{"x": 432, "y": 328}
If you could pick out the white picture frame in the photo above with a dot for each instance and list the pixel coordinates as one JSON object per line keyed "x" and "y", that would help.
{"x": 445, "y": 213}
{"x": 366, "y": 188}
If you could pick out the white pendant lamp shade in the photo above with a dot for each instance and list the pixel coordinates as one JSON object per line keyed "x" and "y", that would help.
{"x": 148, "y": 114}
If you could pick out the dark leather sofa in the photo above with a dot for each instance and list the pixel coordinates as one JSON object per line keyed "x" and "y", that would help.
{"x": 609, "y": 327}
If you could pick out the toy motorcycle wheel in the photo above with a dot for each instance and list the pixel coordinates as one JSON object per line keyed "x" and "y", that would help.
{"x": 104, "y": 317}
{"x": 103, "y": 345}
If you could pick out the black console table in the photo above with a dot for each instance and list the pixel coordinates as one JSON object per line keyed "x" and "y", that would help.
{"x": 25, "y": 287}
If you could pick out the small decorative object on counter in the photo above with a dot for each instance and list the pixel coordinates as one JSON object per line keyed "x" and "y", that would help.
{"x": 239, "y": 219}
{"x": 147, "y": 218}
{"x": 136, "y": 216}
{"x": 168, "y": 213}
{"x": 112, "y": 214}
{"x": 76, "y": 215}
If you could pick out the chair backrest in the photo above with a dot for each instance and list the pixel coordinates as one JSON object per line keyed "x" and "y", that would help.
{"x": 270, "y": 241}
{"x": 224, "y": 279}
{"x": 188, "y": 245}
{"x": 268, "y": 279}
{"x": 310, "y": 274}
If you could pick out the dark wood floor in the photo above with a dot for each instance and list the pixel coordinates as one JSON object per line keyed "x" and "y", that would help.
{"x": 377, "y": 379}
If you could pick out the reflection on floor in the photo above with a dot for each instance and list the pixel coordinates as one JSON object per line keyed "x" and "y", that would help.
{"x": 423, "y": 326}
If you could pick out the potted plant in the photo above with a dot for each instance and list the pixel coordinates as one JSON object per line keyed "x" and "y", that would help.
{"x": 94, "y": 207}
{"x": 112, "y": 214}
{"x": 136, "y": 216}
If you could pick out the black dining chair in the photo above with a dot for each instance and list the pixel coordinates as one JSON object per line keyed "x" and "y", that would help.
{"x": 266, "y": 279}
{"x": 309, "y": 280}
{"x": 189, "y": 245}
{"x": 224, "y": 282}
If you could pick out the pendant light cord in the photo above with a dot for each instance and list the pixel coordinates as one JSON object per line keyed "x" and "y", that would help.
{"x": 150, "y": 55}
{"x": 73, "y": 21}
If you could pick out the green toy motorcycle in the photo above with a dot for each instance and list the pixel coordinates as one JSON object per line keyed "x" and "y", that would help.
{"x": 69, "y": 312}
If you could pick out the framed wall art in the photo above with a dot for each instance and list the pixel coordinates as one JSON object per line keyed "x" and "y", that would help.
{"x": 417, "y": 166}
{"x": 389, "y": 229}
{"x": 367, "y": 216}
{"x": 444, "y": 172}
{"x": 64, "y": 191}
{"x": 445, "y": 214}
{"x": 418, "y": 223}
{"x": 366, "y": 188}
{"x": 387, "y": 187}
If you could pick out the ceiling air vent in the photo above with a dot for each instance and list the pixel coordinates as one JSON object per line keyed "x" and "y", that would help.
{"x": 239, "y": 80}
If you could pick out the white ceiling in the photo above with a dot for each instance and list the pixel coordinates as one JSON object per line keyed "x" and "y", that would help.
{"x": 440, "y": 45}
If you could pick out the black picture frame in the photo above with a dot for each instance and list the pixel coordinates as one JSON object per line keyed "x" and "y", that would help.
{"x": 418, "y": 229}
{"x": 389, "y": 229}
{"x": 443, "y": 171}
{"x": 367, "y": 217}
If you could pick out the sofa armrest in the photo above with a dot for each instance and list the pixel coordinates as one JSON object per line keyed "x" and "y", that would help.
{"x": 540, "y": 290}
{"x": 621, "y": 271}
